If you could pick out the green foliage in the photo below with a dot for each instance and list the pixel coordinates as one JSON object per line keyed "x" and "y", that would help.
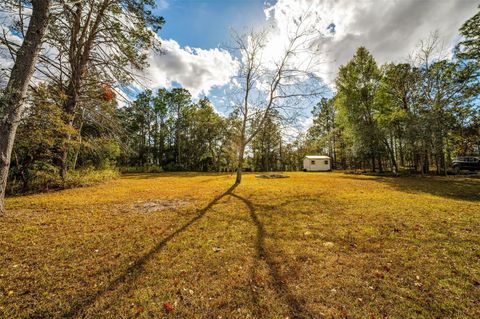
{"x": 323, "y": 135}
{"x": 44, "y": 177}
{"x": 469, "y": 48}
{"x": 101, "y": 152}
{"x": 90, "y": 176}
{"x": 42, "y": 134}
{"x": 39, "y": 136}
{"x": 357, "y": 84}
{"x": 267, "y": 145}
{"x": 169, "y": 130}
{"x": 127, "y": 27}
{"x": 399, "y": 115}
{"x": 141, "y": 169}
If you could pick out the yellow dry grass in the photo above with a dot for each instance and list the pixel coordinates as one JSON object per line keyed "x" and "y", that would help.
{"x": 326, "y": 245}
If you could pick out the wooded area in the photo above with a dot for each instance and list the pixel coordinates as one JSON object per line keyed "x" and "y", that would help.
{"x": 129, "y": 152}
{"x": 414, "y": 116}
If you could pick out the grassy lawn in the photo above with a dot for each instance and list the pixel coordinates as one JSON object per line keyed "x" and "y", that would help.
{"x": 187, "y": 245}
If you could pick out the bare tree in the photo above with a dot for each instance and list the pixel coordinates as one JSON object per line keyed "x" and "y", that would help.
{"x": 12, "y": 100}
{"x": 276, "y": 79}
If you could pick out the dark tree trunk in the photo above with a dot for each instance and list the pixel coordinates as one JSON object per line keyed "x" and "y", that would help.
{"x": 426, "y": 163}
{"x": 421, "y": 161}
{"x": 391, "y": 154}
{"x": 380, "y": 164}
{"x": 12, "y": 103}
{"x": 241, "y": 153}
{"x": 447, "y": 159}
{"x": 402, "y": 155}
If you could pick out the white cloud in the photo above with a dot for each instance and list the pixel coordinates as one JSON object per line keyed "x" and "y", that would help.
{"x": 198, "y": 70}
{"x": 389, "y": 29}
{"x": 163, "y": 5}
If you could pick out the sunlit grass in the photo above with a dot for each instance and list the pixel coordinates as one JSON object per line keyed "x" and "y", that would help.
{"x": 312, "y": 245}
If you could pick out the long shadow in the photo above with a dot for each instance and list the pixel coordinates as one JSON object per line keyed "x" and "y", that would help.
{"x": 467, "y": 189}
{"x": 295, "y": 307}
{"x": 130, "y": 274}
{"x": 141, "y": 176}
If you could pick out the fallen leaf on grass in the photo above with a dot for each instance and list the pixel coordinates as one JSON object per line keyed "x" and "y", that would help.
{"x": 139, "y": 310}
{"x": 167, "y": 307}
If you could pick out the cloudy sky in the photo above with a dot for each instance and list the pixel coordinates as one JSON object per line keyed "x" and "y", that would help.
{"x": 196, "y": 35}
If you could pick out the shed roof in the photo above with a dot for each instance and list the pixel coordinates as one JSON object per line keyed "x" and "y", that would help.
{"x": 317, "y": 157}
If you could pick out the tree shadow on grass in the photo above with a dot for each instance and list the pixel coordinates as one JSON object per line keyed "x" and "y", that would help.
{"x": 129, "y": 275}
{"x": 467, "y": 189}
{"x": 142, "y": 176}
{"x": 295, "y": 307}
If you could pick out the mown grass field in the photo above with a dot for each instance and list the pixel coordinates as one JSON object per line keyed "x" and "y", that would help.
{"x": 327, "y": 245}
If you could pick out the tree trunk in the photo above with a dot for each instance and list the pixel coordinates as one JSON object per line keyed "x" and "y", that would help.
{"x": 421, "y": 164}
{"x": 391, "y": 153}
{"x": 334, "y": 159}
{"x": 241, "y": 153}
{"x": 162, "y": 145}
{"x": 64, "y": 157}
{"x": 77, "y": 151}
{"x": 446, "y": 158}
{"x": 380, "y": 164}
{"x": 79, "y": 57}
{"x": 177, "y": 138}
{"x": 401, "y": 153}
{"x": 69, "y": 108}
{"x": 12, "y": 103}
{"x": 426, "y": 163}
{"x": 415, "y": 161}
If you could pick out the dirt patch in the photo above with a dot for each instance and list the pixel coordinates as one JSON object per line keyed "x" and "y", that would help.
{"x": 271, "y": 176}
{"x": 154, "y": 205}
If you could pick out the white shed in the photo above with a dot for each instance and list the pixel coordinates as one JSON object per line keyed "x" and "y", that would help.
{"x": 317, "y": 163}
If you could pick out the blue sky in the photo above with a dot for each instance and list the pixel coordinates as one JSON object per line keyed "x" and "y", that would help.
{"x": 206, "y": 23}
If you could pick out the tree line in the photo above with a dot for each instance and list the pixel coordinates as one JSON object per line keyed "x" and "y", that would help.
{"x": 415, "y": 116}
{"x": 171, "y": 131}
{"x": 168, "y": 130}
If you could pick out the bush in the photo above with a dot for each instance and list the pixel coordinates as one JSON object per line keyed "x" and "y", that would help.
{"x": 141, "y": 169}
{"x": 48, "y": 179}
{"x": 89, "y": 176}
{"x": 100, "y": 152}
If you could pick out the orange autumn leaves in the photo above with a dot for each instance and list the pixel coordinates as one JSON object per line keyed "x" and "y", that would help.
{"x": 107, "y": 92}
{"x": 168, "y": 307}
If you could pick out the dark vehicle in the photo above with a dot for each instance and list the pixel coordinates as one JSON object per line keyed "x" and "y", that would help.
{"x": 470, "y": 163}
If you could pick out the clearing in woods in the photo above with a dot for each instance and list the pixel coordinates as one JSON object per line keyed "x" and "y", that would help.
{"x": 189, "y": 245}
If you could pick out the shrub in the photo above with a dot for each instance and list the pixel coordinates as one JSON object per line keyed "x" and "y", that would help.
{"x": 47, "y": 178}
{"x": 141, "y": 169}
